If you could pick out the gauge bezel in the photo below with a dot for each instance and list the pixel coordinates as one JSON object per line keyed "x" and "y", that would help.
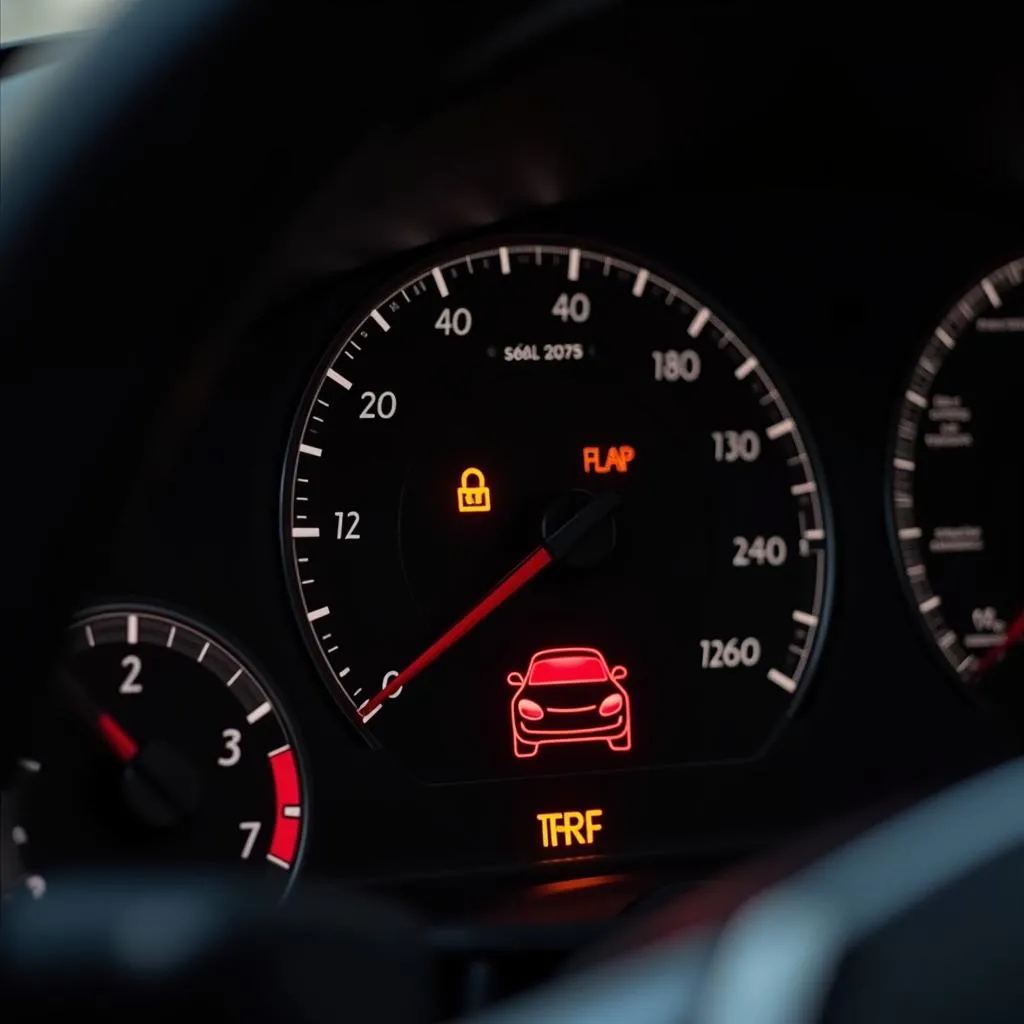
{"x": 233, "y": 650}
{"x": 444, "y": 254}
{"x": 981, "y": 271}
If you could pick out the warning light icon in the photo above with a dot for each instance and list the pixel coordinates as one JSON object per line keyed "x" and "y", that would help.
{"x": 473, "y": 494}
{"x": 615, "y": 459}
{"x": 573, "y": 826}
{"x": 569, "y": 695}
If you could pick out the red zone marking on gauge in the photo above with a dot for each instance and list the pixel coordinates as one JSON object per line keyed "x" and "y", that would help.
{"x": 285, "y": 840}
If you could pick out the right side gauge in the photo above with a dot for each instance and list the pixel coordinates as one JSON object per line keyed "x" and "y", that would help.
{"x": 956, "y": 487}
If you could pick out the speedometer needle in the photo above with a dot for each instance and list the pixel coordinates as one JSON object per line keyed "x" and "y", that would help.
{"x": 556, "y": 547}
{"x": 113, "y": 735}
{"x": 1013, "y": 635}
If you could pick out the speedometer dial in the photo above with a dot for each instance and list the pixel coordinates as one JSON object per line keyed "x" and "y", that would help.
{"x": 546, "y": 510}
{"x": 956, "y": 491}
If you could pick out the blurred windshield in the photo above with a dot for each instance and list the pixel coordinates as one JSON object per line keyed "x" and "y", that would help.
{"x": 34, "y": 19}
{"x": 567, "y": 670}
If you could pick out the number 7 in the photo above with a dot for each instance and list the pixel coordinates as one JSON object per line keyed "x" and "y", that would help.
{"x": 253, "y": 828}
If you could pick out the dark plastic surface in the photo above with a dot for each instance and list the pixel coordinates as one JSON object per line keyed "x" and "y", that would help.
{"x": 166, "y": 948}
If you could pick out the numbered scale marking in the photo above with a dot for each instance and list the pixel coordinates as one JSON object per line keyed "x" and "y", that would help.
{"x": 468, "y": 423}
{"x": 163, "y": 746}
{"x": 956, "y": 487}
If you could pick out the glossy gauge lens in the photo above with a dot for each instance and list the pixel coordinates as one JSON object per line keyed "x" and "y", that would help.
{"x": 547, "y": 511}
{"x": 957, "y": 487}
{"x": 162, "y": 747}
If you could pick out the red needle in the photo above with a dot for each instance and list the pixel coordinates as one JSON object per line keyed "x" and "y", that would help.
{"x": 559, "y": 544}
{"x": 515, "y": 580}
{"x": 116, "y": 738}
{"x": 1014, "y": 634}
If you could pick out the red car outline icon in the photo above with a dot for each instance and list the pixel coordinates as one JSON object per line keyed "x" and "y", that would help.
{"x": 569, "y": 695}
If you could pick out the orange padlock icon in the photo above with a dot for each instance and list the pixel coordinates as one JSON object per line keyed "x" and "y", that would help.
{"x": 474, "y": 494}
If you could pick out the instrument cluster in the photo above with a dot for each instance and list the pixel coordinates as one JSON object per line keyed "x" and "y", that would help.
{"x": 596, "y": 538}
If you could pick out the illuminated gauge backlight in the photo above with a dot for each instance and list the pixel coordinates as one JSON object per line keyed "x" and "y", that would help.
{"x": 547, "y": 510}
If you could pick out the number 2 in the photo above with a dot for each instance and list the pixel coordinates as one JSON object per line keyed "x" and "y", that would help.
{"x": 133, "y": 663}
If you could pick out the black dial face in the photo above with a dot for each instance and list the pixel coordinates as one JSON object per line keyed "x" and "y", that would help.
{"x": 546, "y": 511}
{"x": 957, "y": 487}
{"x": 161, "y": 746}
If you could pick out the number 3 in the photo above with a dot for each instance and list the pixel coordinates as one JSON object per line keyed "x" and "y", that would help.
{"x": 232, "y": 751}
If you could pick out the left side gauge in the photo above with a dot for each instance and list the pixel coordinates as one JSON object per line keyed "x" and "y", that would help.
{"x": 158, "y": 746}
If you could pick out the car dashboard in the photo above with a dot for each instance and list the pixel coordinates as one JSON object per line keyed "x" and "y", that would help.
{"x": 609, "y": 474}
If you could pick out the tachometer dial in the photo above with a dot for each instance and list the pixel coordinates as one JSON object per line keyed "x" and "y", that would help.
{"x": 545, "y": 511}
{"x": 957, "y": 475}
{"x": 161, "y": 746}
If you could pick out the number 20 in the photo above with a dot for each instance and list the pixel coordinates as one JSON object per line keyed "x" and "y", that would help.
{"x": 382, "y": 406}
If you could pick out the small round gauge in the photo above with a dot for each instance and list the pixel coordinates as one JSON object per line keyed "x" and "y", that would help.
{"x": 547, "y": 511}
{"x": 957, "y": 473}
{"x": 159, "y": 745}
